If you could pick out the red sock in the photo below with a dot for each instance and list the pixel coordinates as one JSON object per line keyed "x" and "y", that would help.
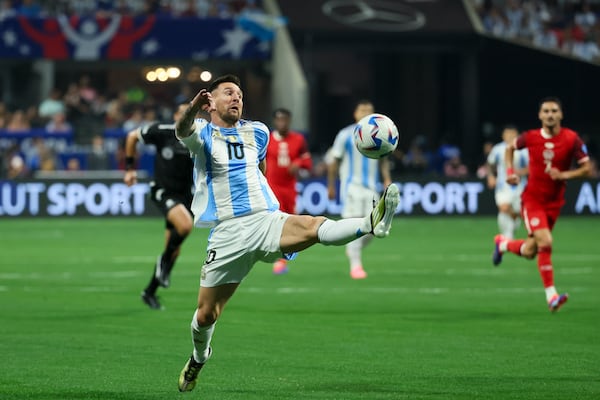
{"x": 544, "y": 259}
{"x": 514, "y": 246}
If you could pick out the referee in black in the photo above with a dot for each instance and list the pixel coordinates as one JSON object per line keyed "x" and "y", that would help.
{"x": 171, "y": 190}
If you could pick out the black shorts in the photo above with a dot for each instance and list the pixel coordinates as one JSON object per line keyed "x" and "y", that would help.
{"x": 165, "y": 200}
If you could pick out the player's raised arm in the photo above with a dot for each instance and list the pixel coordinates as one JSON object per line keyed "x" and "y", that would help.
{"x": 185, "y": 126}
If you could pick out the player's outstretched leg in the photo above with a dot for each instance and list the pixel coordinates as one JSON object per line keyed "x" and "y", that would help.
{"x": 189, "y": 374}
{"x": 383, "y": 212}
{"x": 557, "y": 301}
{"x": 497, "y": 255}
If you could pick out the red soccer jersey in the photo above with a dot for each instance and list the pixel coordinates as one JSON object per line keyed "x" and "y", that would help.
{"x": 283, "y": 152}
{"x": 547, "y": 152}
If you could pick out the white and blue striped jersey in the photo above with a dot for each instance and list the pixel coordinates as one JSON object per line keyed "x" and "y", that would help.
{"x": 520, "y": 161}
{"x": 228, "y": 181}
{"x": 354, "y": 167}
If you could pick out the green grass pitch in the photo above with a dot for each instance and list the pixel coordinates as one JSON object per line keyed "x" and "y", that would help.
{"x": 434, "y": 320}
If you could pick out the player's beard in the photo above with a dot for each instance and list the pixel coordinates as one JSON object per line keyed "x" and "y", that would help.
{"x": 230, "y": 118}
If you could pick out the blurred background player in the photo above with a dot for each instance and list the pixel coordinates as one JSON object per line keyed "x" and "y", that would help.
{"x": 360, "y": 179}
{"x": 171, "y": 190}
{"x": 552, "y": 150}
{"x": 287, "y": 159}
{"x": 508, "y": 197}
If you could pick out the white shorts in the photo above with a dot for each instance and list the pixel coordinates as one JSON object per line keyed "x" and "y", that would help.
{"x": 358, "y": 201}
{"x": 235, "y": 245}
{"x": 510, "y": 196}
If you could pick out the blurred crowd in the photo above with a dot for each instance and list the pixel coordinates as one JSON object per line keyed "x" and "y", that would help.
{"x": 106, "y": 8}
{"x": 80, "y": 127}
{"x": 569, "y": 26}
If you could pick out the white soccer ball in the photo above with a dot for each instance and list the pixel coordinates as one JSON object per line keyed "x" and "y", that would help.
{"x": 375, "y": 136}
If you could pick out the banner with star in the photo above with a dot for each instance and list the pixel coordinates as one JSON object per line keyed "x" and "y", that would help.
{"x": 121, "y": 37}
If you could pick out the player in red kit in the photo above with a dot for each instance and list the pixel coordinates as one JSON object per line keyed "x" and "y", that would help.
{"x": 552, "y": 150}
{"x": 287, "y": 156}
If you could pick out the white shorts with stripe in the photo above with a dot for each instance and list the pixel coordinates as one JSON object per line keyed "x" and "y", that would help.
{"x": 236, "y": 244}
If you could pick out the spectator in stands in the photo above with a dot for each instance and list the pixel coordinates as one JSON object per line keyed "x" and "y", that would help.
{"x": 585, "y": 17}
{"x": 59, "y": 124}
{"x": 40, "y": 157}
{"x": 587, "y": 50}
{"x": 546, "y": 38}
{"x": 53, "y": 104}
{"x": 135, "y": 120}
{"x": 18, "y": 122}
{"x": 454, "y": 168}
{"x": 98, "y": 157}
{"x": 13, "y": 164}
{"x": 73, "y": 164}
{"x": 417, "y": 160}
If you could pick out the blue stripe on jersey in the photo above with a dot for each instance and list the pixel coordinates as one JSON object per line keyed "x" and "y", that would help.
{"x": 238, "y": 182}
{"x": 210, "y": 211}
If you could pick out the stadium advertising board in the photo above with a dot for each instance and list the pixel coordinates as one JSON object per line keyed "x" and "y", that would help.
{"x": 96, "y": 198}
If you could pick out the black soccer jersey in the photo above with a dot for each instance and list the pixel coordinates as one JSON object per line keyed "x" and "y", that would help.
{"x": 173, "y": 165}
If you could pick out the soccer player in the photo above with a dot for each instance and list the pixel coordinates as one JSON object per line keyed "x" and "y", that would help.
{"x": 171, "y": 190}
{"x": 552, "y": 149}
{"x": 508, "y": 197}
{"x": 233, "y": 196}
{"x": 360, "y": 178}
{"x": 287, "y": 156}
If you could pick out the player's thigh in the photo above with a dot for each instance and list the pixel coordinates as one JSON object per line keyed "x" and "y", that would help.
{"x": 300, "y": 232}
{"x": 180, "y": 218}
{"x": 534, "y": 217}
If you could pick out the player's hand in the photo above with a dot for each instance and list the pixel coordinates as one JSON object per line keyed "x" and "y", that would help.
{"x": 130, "y": 178}
{"x": 513, "y": 179}
{"x": 202, "y": 101}
{"x": 556, "y": 174}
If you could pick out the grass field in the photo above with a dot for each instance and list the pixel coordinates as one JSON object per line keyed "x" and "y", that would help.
{"x": 434, "y": 320}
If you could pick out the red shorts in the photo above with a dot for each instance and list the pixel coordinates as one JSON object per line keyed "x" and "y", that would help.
{"x": 287, "y": 199}
{"x": 538, "y": 216}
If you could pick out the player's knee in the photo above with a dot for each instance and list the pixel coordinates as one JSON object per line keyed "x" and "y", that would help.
{"x": 206, "y": 316}
{"x": 185, "y": 228}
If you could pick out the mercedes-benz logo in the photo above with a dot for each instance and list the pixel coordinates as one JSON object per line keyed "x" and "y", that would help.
{"x": 374, "y": 15}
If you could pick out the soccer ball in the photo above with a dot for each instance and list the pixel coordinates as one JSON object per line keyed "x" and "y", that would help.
{"x": 375, "y": 136}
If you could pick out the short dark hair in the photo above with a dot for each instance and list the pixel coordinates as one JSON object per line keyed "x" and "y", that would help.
{"x": 511, "y": 127}
{"x": 283, "y": 111}
{"x": 223, "y": 79}
{"x": 551, "y": 99}
{"x": 364, "y": 102}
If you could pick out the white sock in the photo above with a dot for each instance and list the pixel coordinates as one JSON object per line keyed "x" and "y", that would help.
{"x": 550, "y": 292}
{"x": 342, "y": 231}
{"x": 201, "y": 337}
{"x": 506, "y": 224}
{"x": 354, "y": 250}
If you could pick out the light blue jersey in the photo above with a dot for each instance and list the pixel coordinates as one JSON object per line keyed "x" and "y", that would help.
{"x": 520, "y": 161}
{"x": 354, "y": 167}
{"x": 228, "y": 181}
